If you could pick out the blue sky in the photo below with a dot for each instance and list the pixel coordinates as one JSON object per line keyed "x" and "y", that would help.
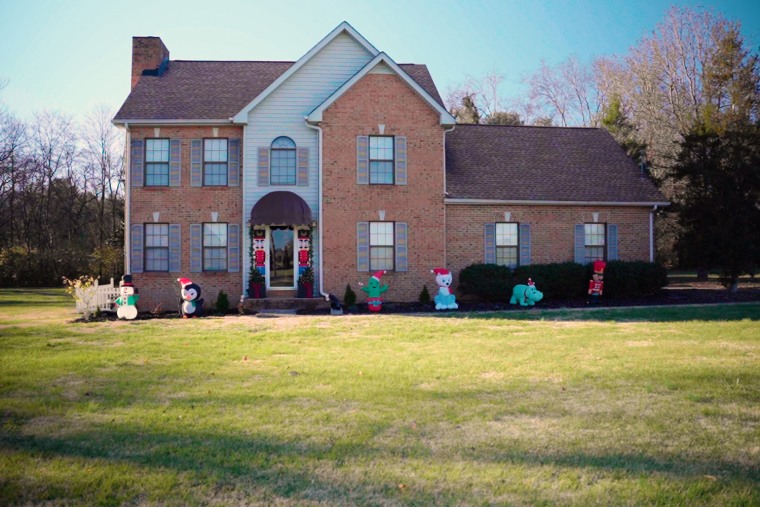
{"x": 71, "y": 56}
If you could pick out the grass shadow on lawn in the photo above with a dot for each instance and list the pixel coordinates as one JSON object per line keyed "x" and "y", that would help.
{"x": 269, "y": 466}
{"x": 697, "y": 313}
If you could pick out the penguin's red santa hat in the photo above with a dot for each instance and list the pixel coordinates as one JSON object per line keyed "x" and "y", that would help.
{"x": 440, "y": 271}
{"x": 184, "y": 282}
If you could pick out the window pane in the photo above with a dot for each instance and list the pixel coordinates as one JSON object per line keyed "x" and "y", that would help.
{"x": 156, "y": 235}
{"x": 381, "y": 172}
{"x": 214, "y": 259}
{"x": 380, "y": 148}
{"x": 156, "y": 259}
{"x": 381, "y": 257}
{"x": 594, "y": 234}
{"x": 156, "y": 150}
{"x": 283, "y": 142}
{"x": 215, "y": 235}
{"x": 506, "y": 234}
{"x": 156, "y": 174}
{"x": 381, "y": 233}
{"x": 594, "y": 253}
{"x": 283, "y": 167}
{"x": 506, "y": 256}
{"x": 215, "y": 174}
{"x": 215, "y": 150}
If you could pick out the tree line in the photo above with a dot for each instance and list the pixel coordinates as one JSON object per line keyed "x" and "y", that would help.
{"x": 684, "y": 101}
{"x": 61, "y": 198}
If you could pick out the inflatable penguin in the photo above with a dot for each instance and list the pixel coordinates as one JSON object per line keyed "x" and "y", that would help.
{"x": 192, "y": 304}
{"x": 127, "y": 299}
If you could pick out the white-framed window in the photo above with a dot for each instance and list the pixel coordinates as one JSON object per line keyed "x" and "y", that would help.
{"x": 157, "y": 162}
{"x": 507, "y": 244}
{"x": 381, "y": 160}
{"x": 215, "y": 162}
{"x": 156, "y": 247}
{"x": 215, "y": 247}
{"x": 381, "y": 246}
{"x": 282, "y": 170}
{"x": 595, "y": 242}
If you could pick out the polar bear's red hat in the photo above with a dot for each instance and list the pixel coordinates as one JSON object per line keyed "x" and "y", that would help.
{"x": 440, "y": 271}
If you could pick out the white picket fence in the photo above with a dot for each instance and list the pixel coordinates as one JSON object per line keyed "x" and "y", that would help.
{"x": 103, "y": 298}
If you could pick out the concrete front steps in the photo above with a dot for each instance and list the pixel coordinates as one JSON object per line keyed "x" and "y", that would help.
{"x": 285, "y": 303}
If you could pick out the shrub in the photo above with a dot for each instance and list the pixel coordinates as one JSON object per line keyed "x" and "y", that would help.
{"x": 556, "y": 280}
{"x": 632, "y": 279}
{"x": 487, "y": 281}
{"x": 424, "y": 296}
{"x": 349, "y": 298}
{"x": 222, "y": 303}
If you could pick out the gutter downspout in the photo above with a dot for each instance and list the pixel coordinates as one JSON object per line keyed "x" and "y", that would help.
{"x": 321, "y": 221}
{"x": 651, "y": 233}
{"x": 445, "y": 230}
{"x": 127, "y": 196}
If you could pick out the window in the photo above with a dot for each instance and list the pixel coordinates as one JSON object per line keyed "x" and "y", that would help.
{"x": 381, "y": 248}
{"x": 156, "y": 162}
{"x": 596, "y": 242}
{"x": 283, "y": 162}
{"x": 214, "y": 247}
{"x": 214, "y": 162}
{"x": 381, "y": 160}
{"x": 507, "y": 244}
{"x": 156, "y": 247}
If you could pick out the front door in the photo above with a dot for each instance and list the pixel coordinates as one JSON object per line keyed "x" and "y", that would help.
{"x": 281, "y": 261}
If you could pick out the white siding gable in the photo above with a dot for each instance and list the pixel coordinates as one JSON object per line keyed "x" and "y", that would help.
{"x": 282, "y": 114}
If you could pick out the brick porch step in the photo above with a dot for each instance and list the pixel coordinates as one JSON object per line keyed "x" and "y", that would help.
{"x": 283, "y": 303}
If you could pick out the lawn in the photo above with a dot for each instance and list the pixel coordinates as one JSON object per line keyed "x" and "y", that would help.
{"x": 607, "y": 406}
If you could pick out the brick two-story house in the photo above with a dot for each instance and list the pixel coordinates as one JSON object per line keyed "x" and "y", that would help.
{"x": 231, "y": 165}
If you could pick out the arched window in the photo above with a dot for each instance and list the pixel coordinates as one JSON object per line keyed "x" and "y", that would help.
{"x": 283, "y": 162}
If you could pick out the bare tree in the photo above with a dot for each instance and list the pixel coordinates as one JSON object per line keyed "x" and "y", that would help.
{"x": 565, "y": 93}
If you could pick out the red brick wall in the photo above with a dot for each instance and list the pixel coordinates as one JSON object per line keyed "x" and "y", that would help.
{"x": 552, "y": 231}
{"x": 382, "y": 99}
{"x": 186, "y": 205}
{"x": 147, "y": 54}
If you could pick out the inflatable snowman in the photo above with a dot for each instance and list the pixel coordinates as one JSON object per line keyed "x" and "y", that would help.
{"x": 127, "y": 299}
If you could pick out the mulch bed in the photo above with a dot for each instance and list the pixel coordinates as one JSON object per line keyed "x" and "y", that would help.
{"x": 678, "y": 294}
{"x": 666, "y": 296}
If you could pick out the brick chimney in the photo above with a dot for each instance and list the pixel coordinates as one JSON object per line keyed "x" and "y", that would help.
{"x": 148, "y": 53}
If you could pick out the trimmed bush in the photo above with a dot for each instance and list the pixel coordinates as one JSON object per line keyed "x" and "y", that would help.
{"x": 349, "y": 297}
{"x": 560, "y": 280}
{"x": 424, "y": 296}
{"x": 490, "y": 282}
{"x": 563, "y": 280}
{"x": 632, "y": 279}
{"x": 222, "y": 303}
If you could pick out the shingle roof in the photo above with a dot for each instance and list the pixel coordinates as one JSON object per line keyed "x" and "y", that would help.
{"x": 542, "y": 163}
{"x": 211, "y": 90}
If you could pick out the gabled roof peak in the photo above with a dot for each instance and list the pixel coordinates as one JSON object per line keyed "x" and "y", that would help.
{"x": 343, "y": 27}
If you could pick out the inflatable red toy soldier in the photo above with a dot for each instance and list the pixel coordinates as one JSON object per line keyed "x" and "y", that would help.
{"x": 259, "y": 253}
{"x": 596, "y": 284}
{"x": 303, "y": 250}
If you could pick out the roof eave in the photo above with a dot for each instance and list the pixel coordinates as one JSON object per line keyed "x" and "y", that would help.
{"x": 526, "y": 202}
{"x": 158, "y": 122}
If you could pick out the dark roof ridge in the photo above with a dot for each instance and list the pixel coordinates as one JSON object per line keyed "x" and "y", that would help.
{"x": 530, "y": 126}
{"x": 232, "y": 61}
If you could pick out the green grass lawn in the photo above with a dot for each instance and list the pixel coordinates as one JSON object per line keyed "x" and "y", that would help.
{"x": 623, "y": 406}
